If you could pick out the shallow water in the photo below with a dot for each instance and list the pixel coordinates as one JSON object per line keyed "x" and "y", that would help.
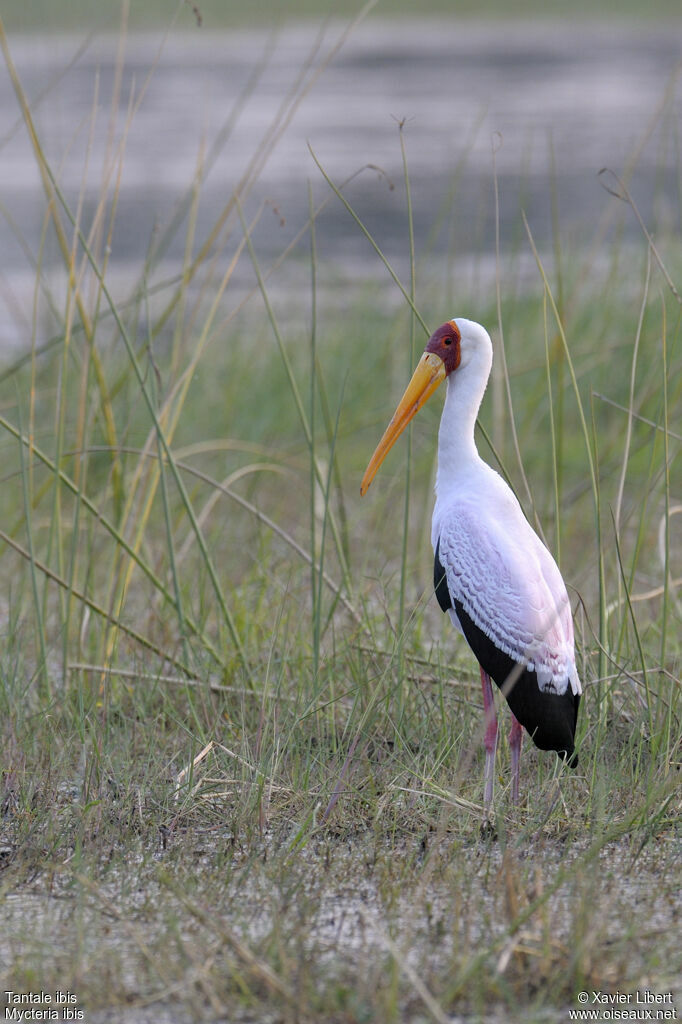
{"x": 556, "y": 102}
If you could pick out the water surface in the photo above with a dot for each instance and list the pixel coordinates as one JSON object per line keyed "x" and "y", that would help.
{"x": 555, "y": 102}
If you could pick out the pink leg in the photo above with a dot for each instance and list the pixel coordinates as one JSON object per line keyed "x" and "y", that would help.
{"x": 515, "y": 740}
{"x": 490, "y": 739}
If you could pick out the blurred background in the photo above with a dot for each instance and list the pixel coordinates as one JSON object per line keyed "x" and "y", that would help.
{"x": 208, "y": 638}
{"x": 156, "y": 98}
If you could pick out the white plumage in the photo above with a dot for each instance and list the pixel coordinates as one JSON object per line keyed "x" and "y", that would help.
{"x": 507, "y": 591}
{"x": 494, "y": 576}
{"x": 495, "y": 563}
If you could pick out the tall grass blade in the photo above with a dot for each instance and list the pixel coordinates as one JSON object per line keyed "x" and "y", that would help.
{"x": 29, "y": 554}
{"x": 408, "y": 447}
{"x": 295, "y": 392}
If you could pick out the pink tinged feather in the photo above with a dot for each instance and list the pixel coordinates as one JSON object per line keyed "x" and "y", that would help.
{"x": 509, "y": 584}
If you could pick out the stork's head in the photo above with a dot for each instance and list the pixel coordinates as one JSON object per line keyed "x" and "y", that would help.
{"x": 457, "y": 344}
{"x": 445, "y": 345}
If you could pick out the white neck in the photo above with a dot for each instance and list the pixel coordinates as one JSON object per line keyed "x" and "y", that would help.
{"x": 466, "y": 385}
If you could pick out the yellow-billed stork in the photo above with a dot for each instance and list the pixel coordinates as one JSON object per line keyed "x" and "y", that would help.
{"x": 492, "y": 573}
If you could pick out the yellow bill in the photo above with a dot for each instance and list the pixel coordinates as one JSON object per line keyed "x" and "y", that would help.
{"x": 430, "y": 372}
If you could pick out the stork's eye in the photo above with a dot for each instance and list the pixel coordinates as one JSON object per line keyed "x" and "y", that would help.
{"x": 447, "y": 341}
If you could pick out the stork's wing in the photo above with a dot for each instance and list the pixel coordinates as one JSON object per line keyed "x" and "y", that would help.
{"x": 510, "y": 586}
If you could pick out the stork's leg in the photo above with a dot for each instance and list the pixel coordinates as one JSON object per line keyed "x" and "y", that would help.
{"x": 490, "y": 739}
{"x": 515, "y": 740}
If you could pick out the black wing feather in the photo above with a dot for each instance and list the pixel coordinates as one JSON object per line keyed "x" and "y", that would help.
{"x": 549, "y": 718}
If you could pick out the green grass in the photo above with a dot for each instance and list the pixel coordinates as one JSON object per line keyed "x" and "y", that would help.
{"x": 241, "y": 758}
{"x": 212, "y": 15}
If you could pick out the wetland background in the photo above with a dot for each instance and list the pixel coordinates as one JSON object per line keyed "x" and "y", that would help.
{"x": 241, "y": 750}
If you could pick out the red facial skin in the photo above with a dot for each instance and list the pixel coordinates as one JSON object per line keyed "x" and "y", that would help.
{"x": 441, "y": 356}
{"x": 446, "y": 343}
